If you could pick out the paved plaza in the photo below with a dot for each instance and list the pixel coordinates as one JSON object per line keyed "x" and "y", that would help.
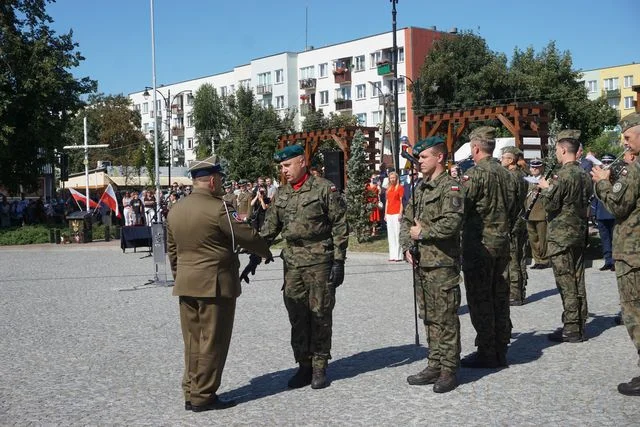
{"x": 80, "y": 346}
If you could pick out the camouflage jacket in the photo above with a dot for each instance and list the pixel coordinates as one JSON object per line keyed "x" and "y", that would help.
{"x": 439, "y": 209}
{"x": 312, "y": 221}
{"x": 622, "y": 199}
{"x": 566, "y": 202}
{"x": 490, "y": 208}
{"x": 522, "y": 189}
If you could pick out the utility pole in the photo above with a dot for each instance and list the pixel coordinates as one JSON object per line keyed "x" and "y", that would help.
{"x": 396, "y": 115}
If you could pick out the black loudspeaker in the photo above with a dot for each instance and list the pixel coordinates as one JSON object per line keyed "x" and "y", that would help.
{"x": 334, "y": 168}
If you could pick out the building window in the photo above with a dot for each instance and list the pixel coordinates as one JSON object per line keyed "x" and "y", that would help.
{"x": 264, "y": 78}
{"x": 613, "y": 103}
{"x": 280, "y": 101}
{"x": 376, "y": 118}
{"x": 151, "y": 114}
{"x": 323, "y": 69}
{"x": 145, "y": 108}
{"x": 189, "y": 99}
{"x": 137, "y": 107}
{"x": 190, "y": 143}
{"x": 145, "y": 128}
{"x": 401, "y": 85}
{"x": 361, "y": 91}
{"x": 400, "y": 54}
{"x": 245, "y": 83}
{"x": 279, "y": 76}
{"x": 189, "y": 120}
{"x": 223, "y": 91}
{"x": 232, "y": 88}
{"x": 402, "y": 112}
{"x": 628, "y": 81}
{"x": 611, "y": 84}
{"x": 266, "y": 102}
{"x": 344, "y": 93}
{"x": 360, "y": 63}
{"x": 362, "y": 119}
{"x": 375, "y": 58}
{"x": 375, "y": 90}
{"x": 307, "y": 72}
{"x": 628, "y": 102}
{"x": 324, "y": 97}
{"x": 592, "y": 86}
{"x": 158, "y": 105}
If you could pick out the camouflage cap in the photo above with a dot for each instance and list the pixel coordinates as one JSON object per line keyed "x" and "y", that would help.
{"x": 536, "y": 163}
{"x": 484, "y": 133}
{"x": 205, "y": 167}
{"x": 422, "y": 145}
{"x": 288, "y": 152}
{"x": 512, "y": 150}
{"x": 569, "y": 134}
{"x": 629, "y": 121}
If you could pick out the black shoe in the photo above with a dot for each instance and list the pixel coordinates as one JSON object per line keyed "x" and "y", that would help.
{"x": 301, "y": 378}
{"x": 319, "y": 378}
{"x": 607, "y": 267}
{"x": 618, "y": 320}
{"x": 632, "y": 388}
{"x": 479, "y": 361}
{"x": 428, "y": 375}
{"x": 560, "y": 336}
{"x": 446, "y": 382}
{"x": 612, "y": 268}
{"x": 501, "y": 357}
{"x": 536, "y": 266}
{"x": 543, "y": 266}
{"x": 187, "y": 405}
{"x": 213, "y": 405}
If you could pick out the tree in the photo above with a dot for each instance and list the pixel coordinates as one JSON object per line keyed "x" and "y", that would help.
{"x": 38, "y": 93}
{"x": 357, "y": 173}
{"x": 149, "y": 156}
{"x": 607, "y": 143}
{"x": 209, "y": 119}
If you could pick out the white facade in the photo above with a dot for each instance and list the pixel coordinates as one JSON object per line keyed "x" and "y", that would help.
{"x": 286, "y": 81}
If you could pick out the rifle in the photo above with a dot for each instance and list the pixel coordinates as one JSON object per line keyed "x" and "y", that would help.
{"x": 414, "y": 250}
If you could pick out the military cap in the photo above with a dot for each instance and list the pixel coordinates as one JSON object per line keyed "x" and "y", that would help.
{"x": 629, "y": 121}
{"x": 205, "y": 167}
{"x": 485, "y": 133}
{"x": 227, "y": 185}
{"x": 243, "y": 182}
{"x": 569, "y": 134}
{"x": 512, "y": 150}
{"x": 608, "y": 158}
{"x": 288, "y": 152}
{"x": 422, "y": 145}
{"x": 536, "y": 163}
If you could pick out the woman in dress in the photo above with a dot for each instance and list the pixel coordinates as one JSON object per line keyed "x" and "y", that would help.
{"x": 372, "y": 195}
{"x": 393, "y": 215}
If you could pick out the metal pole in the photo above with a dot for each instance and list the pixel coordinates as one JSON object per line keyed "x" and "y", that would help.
{"x": 86, "y": 162}
{"x": 168, "y": 103}
{"x": 396, "y": 139}
{"x": 155, "y": 105}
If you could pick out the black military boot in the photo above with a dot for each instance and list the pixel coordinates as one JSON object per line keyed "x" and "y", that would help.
{"x": 632, "y": 388}
{"x": 428, "y": 375}
{"x": 559, "y": 335}
{"x": 302, "y": 377}
{"x": 501, "y": 357}
{"x": 618, "y": 319}
{"x": 446, "y": 382}
{"x": 480, "y": 360}
{"x": 319, "y": 378}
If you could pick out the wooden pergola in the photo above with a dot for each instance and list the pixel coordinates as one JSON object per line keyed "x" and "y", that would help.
{"x": 312, "y": 140}
{"x": 522, "y": 120}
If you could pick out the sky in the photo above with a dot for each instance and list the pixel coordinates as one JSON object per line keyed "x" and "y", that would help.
{"x": 196, "y": 38}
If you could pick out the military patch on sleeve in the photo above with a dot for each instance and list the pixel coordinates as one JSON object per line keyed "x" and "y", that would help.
{"x": 455, "y": 202}
{"x": 617, "y": 187}
{"x": 465, "y": 178}
{"x": 455, "y": 188}
{"x": 333, "y": 188}
{"x": 236, "y": 217}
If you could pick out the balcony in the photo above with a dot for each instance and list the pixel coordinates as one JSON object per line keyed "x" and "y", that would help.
{"x": 384, "y": 68}
{"x": 307, "y": 84}
{"x": 342, "y": 75}
{"x": 177, "y": 109}
{"x": 343, "y": 104}
{"x": 264, "y": 89}
{"x": 306, "y": 109}
{"x": 177, "y": 131}
{"x": 611, "y": 93}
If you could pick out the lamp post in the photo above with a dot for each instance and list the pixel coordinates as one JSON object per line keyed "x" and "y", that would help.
{"x": 396, "y": 139}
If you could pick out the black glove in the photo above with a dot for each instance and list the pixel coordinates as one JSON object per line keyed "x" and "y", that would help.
{"x": 254, "y": 261}
{"x": 336, "y": 277}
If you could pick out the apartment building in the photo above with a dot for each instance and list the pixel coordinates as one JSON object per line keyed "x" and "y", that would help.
{"x": 346, "y": 78}
{"x": 615, "y": 84}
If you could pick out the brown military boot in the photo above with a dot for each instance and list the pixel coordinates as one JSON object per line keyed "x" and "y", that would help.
{"x": 319, "y": 378}
{"x": 302, "y": 377}
{"x": 559, "y": 335}
{"x": 446, "y": 382}
{"x": 428, "y": 375}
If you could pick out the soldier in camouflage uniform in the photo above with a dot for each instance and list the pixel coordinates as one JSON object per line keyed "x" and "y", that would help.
{"x": 537, "y": 221}
{"x": 229, "y": 197}
{"x": 489, "y": 214}
{"x": 516, "y": 272}
{"x": 310, "y": 214}
{"x": 435, "y": 227}
{"x": 622, "y": 199}
{"x": 566, "y": 200}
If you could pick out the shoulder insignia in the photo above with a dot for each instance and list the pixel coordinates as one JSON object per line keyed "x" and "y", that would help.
{"x": 455, "y": 202}
{"x": 555, "y": 176}
{"x": 624, "y": 172}
{"x": 617, "y": 187}
{"x": 455, "y": 188}
{"x": 236, "y": 217}
{"x": 333, "y": 188}
{"x": 465, "y": 178}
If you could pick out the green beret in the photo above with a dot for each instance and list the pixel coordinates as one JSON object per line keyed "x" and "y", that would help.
{"x": 569, "y": 134}
{"x": 288, "y": 152}
{"x": 536, "y": 163}
{"x": 484, "y": 133}
{"x": 422, "y": 145}
{"x": 512, "y": 150}
{"x": 205, "y": 167}
{"x": 629, "y": 121}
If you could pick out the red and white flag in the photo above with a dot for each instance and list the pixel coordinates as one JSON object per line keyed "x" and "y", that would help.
{"x": 79, "y": 197}
{"x": 109, "y": 199}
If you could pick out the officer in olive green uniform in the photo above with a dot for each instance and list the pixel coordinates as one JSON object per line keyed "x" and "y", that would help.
{"x": 490, "y": 212}
{"x": 566, "y": 200}
{"x": 622, "y": 199}
{"x": 310, "y": 214}
{"x": 203, "y": 234}
{"x": 244, "y": 200}
{"x": 537, "y": 220}
{"x": 516, "y": 272}
{"x": 230, "y": 198}
{"x": 435, "y": 227}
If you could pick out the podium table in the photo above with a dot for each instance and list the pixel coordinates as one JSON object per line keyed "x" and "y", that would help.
{"x": 135, "y": 237}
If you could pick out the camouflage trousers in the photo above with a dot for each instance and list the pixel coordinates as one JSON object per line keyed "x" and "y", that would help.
{"x": 516, "y": 272}
{"x": 537, "y": 232}
{"x": 438, "y": 297}
{"x": 488, "y": 297}
{"x": 309, "y": 299}
{"x": 568, "y": 269}
{"x": 629, "y": 290}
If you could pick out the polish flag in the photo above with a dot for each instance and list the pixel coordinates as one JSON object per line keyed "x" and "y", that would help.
{"x": 109, "y": 198}
{"x": 79, "y": 197}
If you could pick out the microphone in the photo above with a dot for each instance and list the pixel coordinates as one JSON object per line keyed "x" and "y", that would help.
{"x": 412, "y": 159}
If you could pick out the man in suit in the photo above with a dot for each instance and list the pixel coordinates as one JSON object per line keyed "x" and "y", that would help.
{"x": 203, "y": 234}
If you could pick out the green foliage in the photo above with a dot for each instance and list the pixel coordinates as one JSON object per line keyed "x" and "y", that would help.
{"x": 209, "y": 118}
{"x": 38, "y": 93}
{"x": 607, "y": 143}
{"x": 149, "y": 156}
{"x": 357, "y": 174}
{"x": 26, "y": 235}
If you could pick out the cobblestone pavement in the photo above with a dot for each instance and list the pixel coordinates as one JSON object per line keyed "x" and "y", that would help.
{"x": 80, "y": 347}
